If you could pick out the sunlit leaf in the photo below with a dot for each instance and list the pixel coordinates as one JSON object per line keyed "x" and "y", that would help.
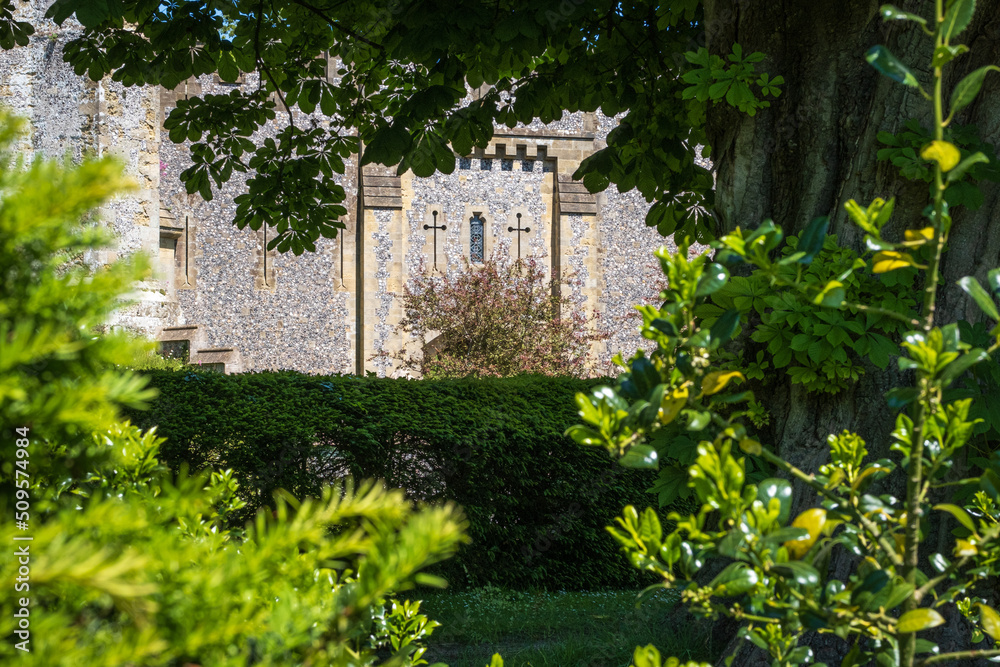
{"x": 780, "y": 489}
{"x": 965, "y": 548}
{"x": 960, "y": 515}
{"x": 798, "y": 571}
{"x": 717, "y": 381}
{"x": 890, "y": 260}
{"x": 989, "y": 619}
{"x": 944, "y": 153}
{"x": 812, "y": 520}
{"x": 672, "y": 405}
{"x": 918, "y": 619}
{"x": 640, "y": 456}
{"x": 919, "y": 236}
{"x": 980, "y": 296}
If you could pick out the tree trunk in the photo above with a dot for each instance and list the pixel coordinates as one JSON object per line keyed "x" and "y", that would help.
{"x": 814, "y": 149}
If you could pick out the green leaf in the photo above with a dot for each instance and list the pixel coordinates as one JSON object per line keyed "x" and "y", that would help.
{"x": 967, "y": 89}
{"x": 946, "y": 53}
{"x": 900, "y": 397}
{"x": 993, "y": 280}
{"x": 781, "y": 489}
{"x": 584, "y": 435}
{"x": 724, "y": 327}
{"x": 787, "y": 534}
{"x": 872, "y": 584}
{"x": 980, "y": 296}
{"x": 957, "y": 18}
{"x": 640, "y": 456}
{"x": 712, "y": 280}
{"x": 917, "y": 620}
{"x": 832, "y": 295}
{"x": 801, "y": 573}
{"x": 892, "y": 13}
{"x": 989, "y": 482}
{"x": 812, "y": 238}
{"x": 888, "y": 65}
{"x": 989, "y": 619}
{"x": 736, "y": 579}
{"x": 669, "y": 484}
{"x": 960, "y": 514}
{"x": 901, "y": 591}
{"x": 962, "y": 364}
{"x": 697, "y": 420}
{"x": 939, "y": 562}
{"x": 228, "y": 71}
{"x": 958, "y": 172}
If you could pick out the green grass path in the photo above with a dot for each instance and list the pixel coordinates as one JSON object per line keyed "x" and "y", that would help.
{"x": 566, "y": 629}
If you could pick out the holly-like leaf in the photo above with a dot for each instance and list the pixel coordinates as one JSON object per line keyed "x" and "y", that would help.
{"x": 960, "y": 514}
{"x": 812, "y": 520}
{"x": 989, "y": 619}
{"x": 640, "y": 456}
{"x": 918, "y": 619}
{"x": 801, "y": 573}
{"x": 780, "y": 489}
{"x": 712, "y": 280}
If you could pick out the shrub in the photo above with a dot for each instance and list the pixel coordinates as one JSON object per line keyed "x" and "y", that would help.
{"x": 498, "y": 319}
{"x": 535, "y": 502}
{"x": 114, "y": 561}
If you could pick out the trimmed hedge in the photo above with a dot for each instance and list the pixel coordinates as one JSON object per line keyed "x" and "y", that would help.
{"x": 537, "y": 503}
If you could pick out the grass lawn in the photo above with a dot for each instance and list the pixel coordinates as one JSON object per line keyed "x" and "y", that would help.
{"x": 591, "y": 629}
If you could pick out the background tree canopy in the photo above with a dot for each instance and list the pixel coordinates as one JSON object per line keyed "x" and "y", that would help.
{"x": 399, "y": 82}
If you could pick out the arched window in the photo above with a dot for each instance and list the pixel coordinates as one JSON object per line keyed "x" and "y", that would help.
{"x": 476, "y": 230}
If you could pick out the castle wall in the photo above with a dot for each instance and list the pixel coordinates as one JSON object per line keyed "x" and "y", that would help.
{"x": 278, "y": 310}
{"x": 336, "y": 309}
{"x": 72, "y": 116}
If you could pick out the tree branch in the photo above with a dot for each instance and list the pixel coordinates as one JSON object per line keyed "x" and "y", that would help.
{"x": 822, "y": 490}
{"x": 958, "y": 655}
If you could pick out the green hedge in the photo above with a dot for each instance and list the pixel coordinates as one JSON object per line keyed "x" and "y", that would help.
{"x": 537, "y": 503}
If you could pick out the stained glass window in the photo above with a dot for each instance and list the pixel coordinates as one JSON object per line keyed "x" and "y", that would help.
{"x": 476, "y": 226}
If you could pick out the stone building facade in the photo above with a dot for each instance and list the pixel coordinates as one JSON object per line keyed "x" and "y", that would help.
{"x": 220, "y": 298}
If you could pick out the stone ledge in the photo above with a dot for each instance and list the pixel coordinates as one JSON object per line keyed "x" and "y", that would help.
{"x": 573, "y": 197}
{"x": 229, "y": 357}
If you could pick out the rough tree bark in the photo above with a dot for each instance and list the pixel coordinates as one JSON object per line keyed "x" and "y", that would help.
{"x": 814, "y": 149}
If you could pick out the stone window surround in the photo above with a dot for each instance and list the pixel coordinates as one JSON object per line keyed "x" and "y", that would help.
{"x": 264, "y": 275}
{"x": 181, "y": 230}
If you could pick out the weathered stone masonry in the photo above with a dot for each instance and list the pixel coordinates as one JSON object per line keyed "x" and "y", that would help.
{"x": 221, "y": 298}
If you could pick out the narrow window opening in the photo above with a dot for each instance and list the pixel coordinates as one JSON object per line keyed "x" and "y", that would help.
{"x": 476, "y": 239}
